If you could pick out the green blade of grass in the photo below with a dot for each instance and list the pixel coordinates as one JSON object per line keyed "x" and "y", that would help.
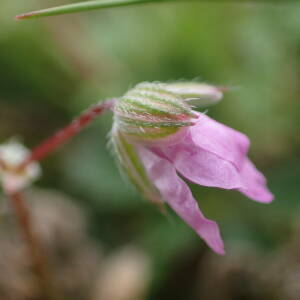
{"x": 81, "y": 6}
{"x": 100, "y": 4}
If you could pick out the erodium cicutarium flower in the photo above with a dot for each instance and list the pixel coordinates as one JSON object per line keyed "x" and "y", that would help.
{"x": 160, "y": 141}
{"x": 158, "y": 138}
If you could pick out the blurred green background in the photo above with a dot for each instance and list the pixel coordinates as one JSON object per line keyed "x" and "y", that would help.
{"x": 51, "y": 69}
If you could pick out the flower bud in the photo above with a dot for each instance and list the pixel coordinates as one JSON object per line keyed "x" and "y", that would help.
{"x": 197, "y": 94}
{"x": 150, "y": 113}
{"x": 12, "y": 178}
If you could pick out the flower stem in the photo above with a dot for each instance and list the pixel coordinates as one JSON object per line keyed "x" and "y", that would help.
{"x": 18, "y": 203}
{"x": 65, "y": 134}
{"x": 2, "y": 164}
{"x": 35, "y": 249}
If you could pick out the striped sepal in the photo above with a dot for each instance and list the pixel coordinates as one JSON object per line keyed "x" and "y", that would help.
{"x": 149, "y": 112}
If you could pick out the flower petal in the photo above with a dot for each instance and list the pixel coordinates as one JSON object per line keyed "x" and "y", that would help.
{"x": 254, "y": 184}
{"x": 221, "y": 140}
{"x": 178, "y": 195}
{"x": 201, "y": 166}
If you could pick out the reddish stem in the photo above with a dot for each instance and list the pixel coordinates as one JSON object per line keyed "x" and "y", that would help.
{"x": 23, "y": 216}
{"x": 2, "y": 164}
{"x": 18, "y": 202}
{"x": 35, "y": 249}
{"x": 63, "y": 135}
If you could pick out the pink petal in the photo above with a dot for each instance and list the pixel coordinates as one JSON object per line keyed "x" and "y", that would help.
{"x": 201, "y": 166}
{"x": 221, "y": 140}
{"x": 178, "y": 195}
{"x": 254, "y": 184}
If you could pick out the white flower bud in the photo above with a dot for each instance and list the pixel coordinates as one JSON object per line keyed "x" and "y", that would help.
{"x": 12, "y": 178}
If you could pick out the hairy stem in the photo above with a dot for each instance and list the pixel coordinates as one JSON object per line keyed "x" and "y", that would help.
{"x": 65, "y": 134}
{"x": 18, "y": 203}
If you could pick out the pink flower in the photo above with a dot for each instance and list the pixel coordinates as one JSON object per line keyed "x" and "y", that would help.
{"x": 204, "y": 152}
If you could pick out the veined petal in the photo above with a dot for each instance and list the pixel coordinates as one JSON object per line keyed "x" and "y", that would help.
{"x": 254, "y": 183}
{"x": 201, "y": 166}
{"x": 178, "y": 195}
{"x": 221, "y": 140}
